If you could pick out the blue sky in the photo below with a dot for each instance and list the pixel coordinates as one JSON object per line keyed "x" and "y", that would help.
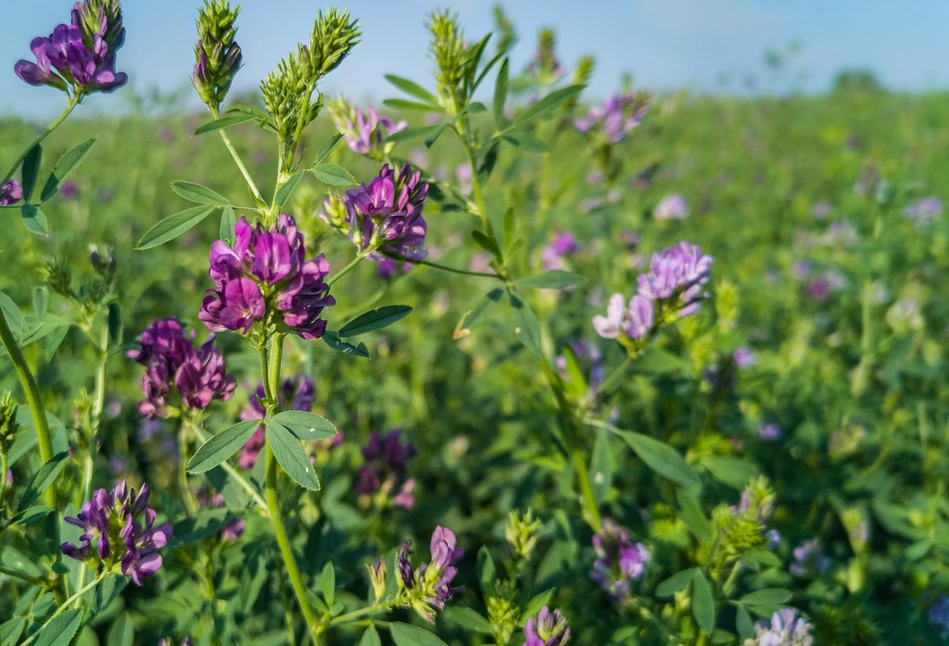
{"x": 666, "y": 44}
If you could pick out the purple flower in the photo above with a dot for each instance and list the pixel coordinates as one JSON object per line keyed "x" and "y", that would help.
{"x": 744, "y": 357}
{"x": 174, "y": 366}
{"x": 564, "y": 244}
{"x": 266, "y": 271}
{"x": 548, "y": 628}
{"x": 364, "y": 135}
{"x": 924, "y": 212}
{"x": 677, "y": 275}
{"x": 821, "y": 209}
{"x": 119, "y": 530}
{"x": 938, "y": 614}
{"x": 619, "y": 560}
{"x": 671, "y": 207}
{"x": 633, "y": 320}
{"x": 296, "y": 393}
{"x": 785, "y": 629}
{"x": 770, "y": 432}
{"x": 11, "y": 193}
{"x": 774, "y": 538}
{"x": 386, "y": 467}
{"x": 809, "y": 559}
{"x": 69, "y": 190}
{"x": 430, "y": 583}
{"x": 616, "y": 118}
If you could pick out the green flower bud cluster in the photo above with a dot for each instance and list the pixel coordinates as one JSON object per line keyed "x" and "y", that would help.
{"x": 451, "y": 60}
{"x": 217, "y": 56}
{"x": 521, "y": 534}
{"x": 503, "y": 611}
{"x": 8, "y": 423}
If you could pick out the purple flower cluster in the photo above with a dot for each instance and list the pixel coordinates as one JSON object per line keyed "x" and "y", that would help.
{"x": 387, "y": 462}
{"x": 11, "y": 193}
{"x": 744, "y": 357}
{"x": 938, "y": 614}
{"x": 431, "y": 580}
{"x": 119, "y": 529}
{"x": 671, "y": 207}
{"x": 924, "y": 212}
{"x": 234, "y": 528}
{"x": 619, "y": 560}
{"x": 296, "y": 393}
{"x": 548, "y": 628}
{"x": 809, "y": 559}
{"x": 564, "y": 244}
{"x": 617, "y": 117}
{"x": 173, "y": 365}
{"x": 265, "y": 277}
{"x": 770, "y": 432}
{"x": 386, "y": 215}
{"x": 785, "y": 629}
{"x": 674, "y": 281}
{"x": 80, "y": 55}
{"x": 364, "y": 135}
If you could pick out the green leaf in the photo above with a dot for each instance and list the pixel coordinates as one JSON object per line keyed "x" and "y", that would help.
{"x": 114, "y": 322}
{"x": 108, "y": 591}
{"x": 201, "y": 525}
{"x": 40, "y": 302}
{"x": 30, "y": 171}
{"x": 10, "y": 631}
{"x": 601, "y": 465}
{"x": 34, "y": 219}
{"x": 173, "y": 226}
{"x": 410, "y": 106}
{"x": 224, "y": 122}
{"x": 435, "y": 134}
{"x": 548, "y": 104}
{"x": 252, "y": 581}
{"x": 370, "y": 637}
{"x": 487, "y": 572}
{"x": 13, "y": 314}
{"x": 328, "y": 147}
{"x": 332, "y": 339}
{"x": 305, "y": 425}
{"x": 198, "y": 194}
{"x": 222, "y": 446}
{"x": 413, "y": 133}
{"x": 409, "y": 635}
{"x": 658, "y": 361}
{"x": 287, "y": 189}
{"x": 486, "y": 243}
{"x": 412, "y": 89}
{"x": 333, "y": 175}
{"x": 500, "y": 95}
{"x": 556, "y": 279}
{"x": 60, "y": 631}
{"x": 469, "y": 619}
{"x": 660, "y": 457}
{"x": 16, "y": 563}
{"x": 744, "y": 624}
{"x": 290, "y": 455}
{"x": 537, "y": 602}
{"x": 731, "y": 471}
{"x": 30, "y": 514}
{"x": 122, "y": 632}
{"x": 375, "y": 320}
{"x": 228, "y": 221}
{"x": 43, "y": 479}
{"x": 767, "y": 597}
{"x": 676, "y": 582}
{"x": 526, "y": 326}
{"x": 703, "y": 603}
{"x": 328, "y": 583}
{"x": 693, "y": 516}
{"x": 470, "y": 318}
{"x": 65, "y": 167}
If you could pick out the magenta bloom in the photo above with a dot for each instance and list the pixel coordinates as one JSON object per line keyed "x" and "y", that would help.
{"x": 11, "y": 193}
{"x": 677, "y": 275}
{"x": 744, "y": 357}
{"x": 616, "y": 118}
{"x": 619, "y": 560}
{"x": 266, "y": 274}
{"x": 435, "y": 577}
{"x": 176, "y": 372}
{"x": 548, "y": 628}
{"x": 365, "y": 134}
{"x": 296, "y": 393}
{"x": 119, "y": 529}
{"x": 386, "y": 468}
{"x": 564, "y": 244}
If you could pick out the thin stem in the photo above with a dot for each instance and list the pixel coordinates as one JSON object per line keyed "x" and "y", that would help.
{"x": 64, "y": 606}
{"x": 476, "y": 186}
{"x": 362, "y": 612}
{"x": 73, "y": 102}
{"x": 345, "y": 270}
{"x": 235, "y": 474}
{"x": 463, "y": 272}
{"x": 240, "y": 163}
{"x": 614, "y": 376}
{"x": 33, "y": 397}
{"x": 190, "y": 503}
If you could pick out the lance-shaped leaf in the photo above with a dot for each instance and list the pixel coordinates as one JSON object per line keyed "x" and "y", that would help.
{"x": 65, "y": 167}
{"x": 224, "y": 122}
{"x": 412, "y": 89}
{"x": 333, "y": 175}
{"x": 305, "y": 425}
{"x": 174, "y": 226}
{"x": 198, "y": 194}
{"x": 660, "y": 457}
{"x": 375, "y": 320}
{"x": 43, "y": 479}
{"x": 222, "y": 446}
{"x": 332, "y": 339}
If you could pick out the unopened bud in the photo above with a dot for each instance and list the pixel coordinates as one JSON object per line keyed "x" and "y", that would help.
{"x": 8, "y": 423}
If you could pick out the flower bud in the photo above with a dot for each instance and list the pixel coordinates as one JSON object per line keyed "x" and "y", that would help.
{"x": 334, "y": 35}
{"x": 8, "y": 423}
{"x": 521, "y": 533}
{"x": 377, "y": 575}
{"x": 217, "y": 55}
{"x": 103, "y": 261}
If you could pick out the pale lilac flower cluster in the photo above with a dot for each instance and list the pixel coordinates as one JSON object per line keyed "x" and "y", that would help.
{"x": 176, "y": 372}
{"x": 548, "y": 628}
{"x": 11, "y": 193}
{"x": 119, "y": 529}
{"x": 809, "y": 559}
{"x": 821, "y": 209}
{"x": 431, "y": 580}
{"x": 80, "y": 55}
{"x": 619, "y": 560}
{"x": 386, "y": 467}
{"x": 364, "y": 134}
{"x": 770, "y": 432}
{"x": 744, "y": 357}
{"x": 296, "y": 393}
{"x": 265, "y": 277}
{"x": 785, "y": 629}
{"x": 616, "y": 118}
{"x": 553, "y": 255}
{"x": 924, "y": 212}
{"x": 674, "y": 281}
{"x": 671, "y": 207}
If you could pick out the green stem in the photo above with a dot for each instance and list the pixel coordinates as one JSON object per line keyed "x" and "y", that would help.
{"x": 453, "y": 270}
{"x": 609, "y": 382}
{"x": 64, "y": 606}
{"x": 345, "y": 270}
{"x": 588, "y": 499}
{"x": 191, "y": 504}
{"x": 235, "y": 474}
{"x": 362, "y": 612}
{"x": 73, "y": 102}
{"x": 3, "y": 480}
{"x": 33, "y": 397}
{"x": 476, "y": 187}
{"x": 240, "y": 163}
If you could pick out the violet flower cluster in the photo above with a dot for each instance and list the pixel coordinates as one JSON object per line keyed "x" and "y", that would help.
{"x": 387, "y": 459}
{"x": 364, "y": 134}
{"x": 809, "y": 559}
{"x": 11, "y": 192}
{"x": 296, "y": 393}
{"x": 385, "y": 216}
{"x": 924, "y": 212}
{"x": 80, "y": 55}
{"x": 619, "y": 561}
{"x": 671, "y": 207}
{"x": 785, "y": 629}
{"x": 616, "y": 118}
{"x": 548, "y": 628}
{"x": 265, "y": 277}
{"x": 176, "y": 372}
{"x": 553, "y": 255}
{"x": 673, "y": 286}
{"x": 429, "y": 586}
{"x": 119, "y": 530}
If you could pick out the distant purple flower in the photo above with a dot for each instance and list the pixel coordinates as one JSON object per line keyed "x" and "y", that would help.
{"x": 432, "y": 579}
{"x": 821, "y": 209}
{"x": 564, "y": 244}
{"x": 809, "y": 559}
{"x": 616, "y": 118}
{"x": 938, "y": 614}
{"x": 386, "y": 468}
{"x": 296, "y": 393}
{"x": 69, "y": 190}
{"x": 774, "y": 538}
{"x": 671, "y": 207}
{"x": 118, "y": 530}
{"x": 595, "y": 177}
{"x": 463, "y": 175}
{"x": 548, "y": 628}
{"x": 267, "y": 271}
{"x": 630, "y": 239}
{"x": 619, "y": 560}
{"x": 819, "y": 288}
{"x": 11, "y": 192}
{"x": 785, "y": 629}
{"x": 389, "y": 267}
{"x": 770, "y": 432}
{"x": 744, "y": 357}
{"x": 924, "y": 212}
{"x": 177, "y": 372}
{"x": 364, "y": 134}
